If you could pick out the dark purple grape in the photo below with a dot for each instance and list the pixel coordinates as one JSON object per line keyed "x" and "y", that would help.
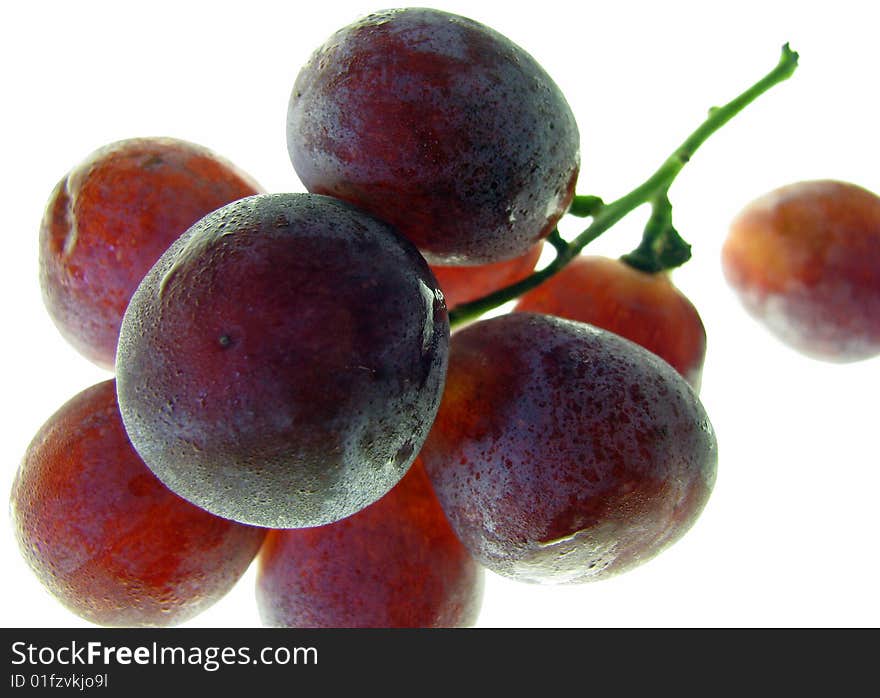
{"x": 283, "y": 361}
{"x": 565, "y": 453}
{"x": 440, "y": 126}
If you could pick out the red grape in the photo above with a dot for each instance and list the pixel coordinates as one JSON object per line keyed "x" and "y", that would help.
{"x": 645, "y": 308}
{"x": 565, "y": 453}
{"x": 283, "y": 361}
{"x": 805, "y": 261}
{"x": 464, "y": 284}
{"x": 395, "y": 564}
{"x": 440, "y": 126}
{"x": 111, "y": 217}
{"x": 106, "y": 537}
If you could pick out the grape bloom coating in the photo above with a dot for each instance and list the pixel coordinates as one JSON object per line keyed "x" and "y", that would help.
{"x": 563, "y": 453}
{"x": 282, "y": 362}
{"x": 105, "y": 537}
{"x": 440, "y": 126}
{"x": 111, "y": 217}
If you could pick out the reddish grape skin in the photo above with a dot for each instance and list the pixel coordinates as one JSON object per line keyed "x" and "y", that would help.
{"x": 106, "y": 537}
{"x": 283, "y": 361}
{"x": 804, "y": 260}
{"x": 464, "y": 284}
{"x": 111, "y": 217}
{"x": 563, "y": 453}
{"x": 440, "y": 126}
{"x": 395, "y": 564}
{"x": 645, "y": 308}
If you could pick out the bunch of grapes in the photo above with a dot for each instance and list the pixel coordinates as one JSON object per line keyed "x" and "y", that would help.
{"x": 330, "y": 382}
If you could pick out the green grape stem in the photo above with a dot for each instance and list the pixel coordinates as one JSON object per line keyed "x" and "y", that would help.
{"x": 653, "y": 190}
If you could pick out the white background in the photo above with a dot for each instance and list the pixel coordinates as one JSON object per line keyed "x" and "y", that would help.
{"x": 790, "y": 536}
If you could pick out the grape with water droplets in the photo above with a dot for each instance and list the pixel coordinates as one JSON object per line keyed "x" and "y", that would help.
{"x": 282, "y": 362}
{"x": 109, "y": 540}
{"x": 565, "y": 453}
{"x": 442, "y": 127}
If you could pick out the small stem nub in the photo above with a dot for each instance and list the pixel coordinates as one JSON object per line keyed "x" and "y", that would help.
{"x": 585, "y": 206}
{"x": 661, "y": 247}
